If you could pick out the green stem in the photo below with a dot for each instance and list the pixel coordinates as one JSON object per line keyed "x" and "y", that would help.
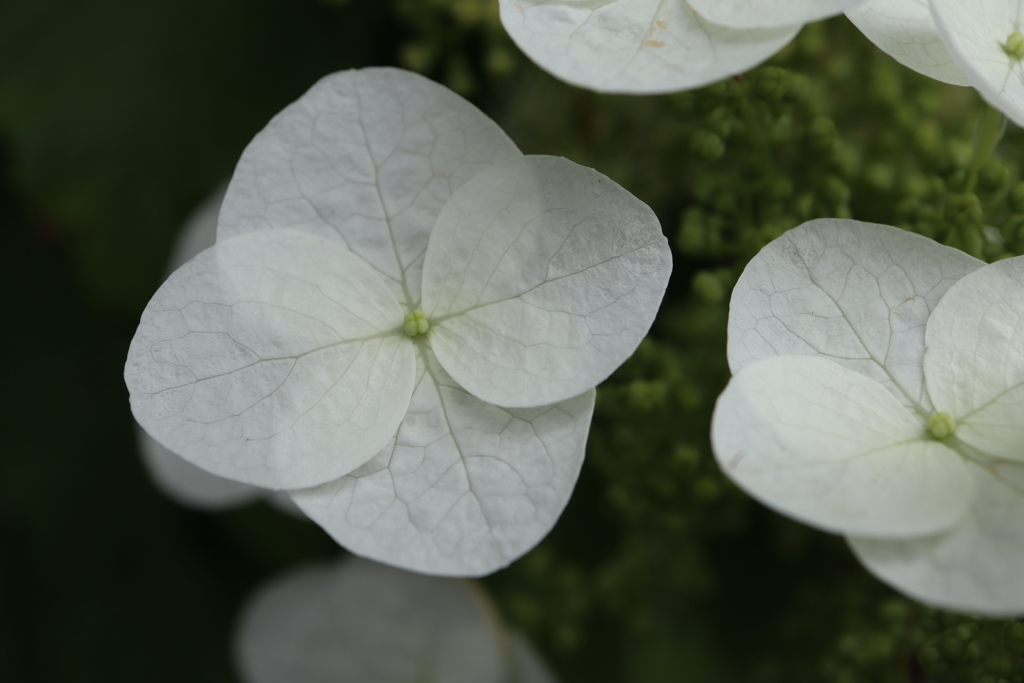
{"x": 990, "y": 132}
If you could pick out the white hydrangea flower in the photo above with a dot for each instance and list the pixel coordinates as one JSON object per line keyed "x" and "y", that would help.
{"x": 878, "y": 392}
{"x": 978, "y": 43}
{"x": 355, "y": 620}
{"x": 652, "y": 46}
{"x": 401, "y": 324}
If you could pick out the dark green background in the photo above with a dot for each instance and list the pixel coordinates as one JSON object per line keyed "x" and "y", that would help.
{"x": 117, "y": 117}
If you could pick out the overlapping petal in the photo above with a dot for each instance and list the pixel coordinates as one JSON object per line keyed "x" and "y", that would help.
{"x": 273, "y": 359}
{"x": 855, "y": 292}
{"x": 977, "y": 566}
{"x": 541, "y": 278}
{"x": 768, "y": 13}
{"x": 635, "y": 46}
{"x": 906, "y": 31}
{"x": 835, "y": 450}
{"x": 360, "y": 621}
{"x": 464, "y": 488}
{"x": 975, "y": 361}
{"x": 367, "y": 157}
{"x": 975, "y": 33}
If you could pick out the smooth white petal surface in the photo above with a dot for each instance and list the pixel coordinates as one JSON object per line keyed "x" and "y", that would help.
{"x": 975, "y": 32}
{"x": 634, "y": 46}
{"x": 768, "y": 13}
{"x": 356, "y": 621}
{"x": 857, "y": 293}
{"x": 977, "y": 566}
{"x": 465, "y": 488}
{"x": 905, "y": 30}
{"x": 186, "y": 484}
{"x": 541, "y": 278}
{"x": 369, "y": 158}
{"x": 273, "y": 359}
{"x": 975, "y": 360}
{"x": 835, "y": 450}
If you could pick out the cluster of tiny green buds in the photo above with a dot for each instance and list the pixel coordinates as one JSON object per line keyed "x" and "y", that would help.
{"x": 416, "y": 323}
{"x": 1014, "y": 45}
{"x": 941, "y": 425}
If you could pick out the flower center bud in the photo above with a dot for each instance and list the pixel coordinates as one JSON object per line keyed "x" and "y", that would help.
{"x": 1014, "y": 45}
{"x": 941, "y": 425}
{"x": 416, "y": 323}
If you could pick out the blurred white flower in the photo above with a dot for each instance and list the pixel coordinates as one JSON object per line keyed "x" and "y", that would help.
{"x": 355, "y": 620}
{"x": 878, "y": 392}
{"x": 401, "y": 324}
{"x": 651, "y": 46}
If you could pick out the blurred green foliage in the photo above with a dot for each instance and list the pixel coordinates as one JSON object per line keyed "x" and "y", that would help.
{"x": 116, "y": 118}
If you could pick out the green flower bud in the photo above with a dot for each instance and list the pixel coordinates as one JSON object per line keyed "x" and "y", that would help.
{"x": 1016, "y": 197}
{"x": 821, "y": 134}
{"x": 941, "y": 425}
{"x": 708, "y": 287}
{"x": 963, "y": 209}
{"x": 707, "y": 145}
{"x": 993, "y": 177}
{"x": 416, "y": 323}
{"x": 1014, "y": 45}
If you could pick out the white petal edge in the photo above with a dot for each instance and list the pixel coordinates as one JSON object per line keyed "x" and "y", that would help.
{"x": 974, "y": 366}
{"x": 178, "y": 479}
{"x": 188, "y": 485}
{"x": 974, "y": 33}
{"x": 541, "y": 278}
{"x": 464, "y": 489}
{"x": 835, "y": 450}
{"x": 905, "y": 30}
{"x": 858, "y": 293}
{"x": 634, "y": 46}
{"x": 367, "y": 157}
{"x": 359, "y": 621}
{"x": 752, "y": 14}
{"x": 977, "y": 566}
{"x": 274, "y": 359}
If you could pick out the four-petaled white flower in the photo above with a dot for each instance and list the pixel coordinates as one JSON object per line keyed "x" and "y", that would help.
{"x": 653, "y": 46}
{"x": 355, "y": 620}
{"x": 401, "y": 324}
{"x": 878, "y": 392}
{"x": 977, "y": 43}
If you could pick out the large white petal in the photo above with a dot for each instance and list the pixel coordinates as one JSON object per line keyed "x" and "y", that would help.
{"x": 541, "y": 278}
{"x": 465, "y": 488}
{"x": 369, "y": 158}
{"x": 855, "y": 292}
{"x": 361, "y": 622}
{"x": 768, "y": 13}
{"x": 977, "y": 566}
{"x": 634, "y": 46}
{"x": 905, "y": 30}
{"x": 975, "y": 32}
{"x": 835, "y": 450}
{"x": 975, "y": 361}
{"x": 274, "y": 359}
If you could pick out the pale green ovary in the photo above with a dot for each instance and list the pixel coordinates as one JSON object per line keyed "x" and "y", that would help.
{"x": 416, "y": 323}
{"x": 1014, "y": 45}
{"x": 941, "y": 425}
